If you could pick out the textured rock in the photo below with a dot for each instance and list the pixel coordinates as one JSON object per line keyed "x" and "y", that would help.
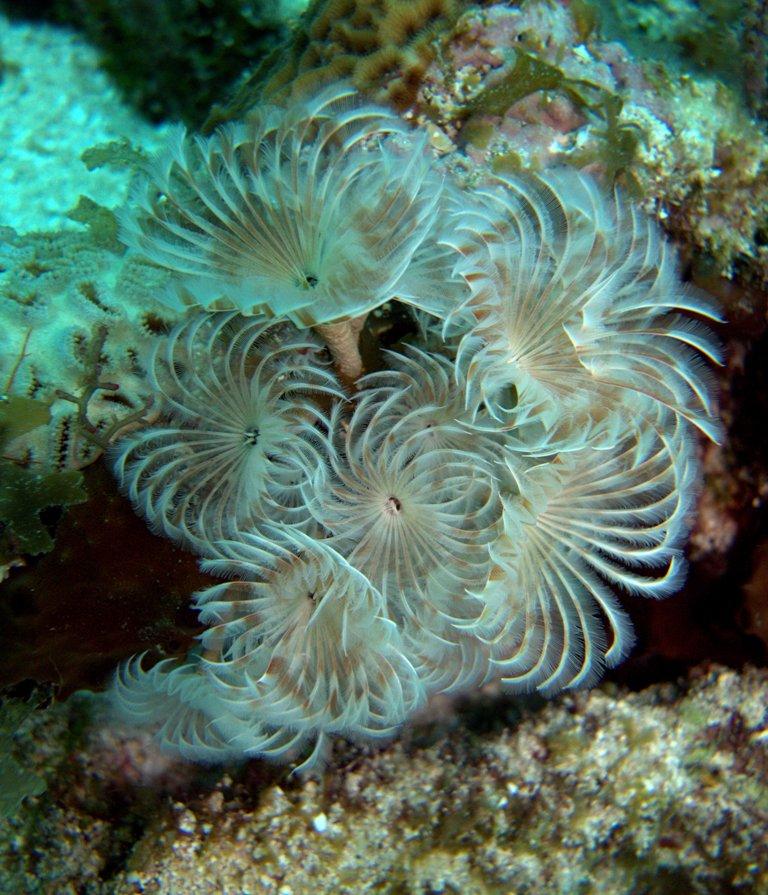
{"x": 534, "y": 85}
{"x": 659, "y": 791}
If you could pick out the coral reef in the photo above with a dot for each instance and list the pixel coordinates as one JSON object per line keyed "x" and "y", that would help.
{"x": 534, "y": 86}
{"x": 69, "y": 343}
{"x": 661, "y": 791}
{"x": 405, "y": 511}
{"x": 755, "y": 57}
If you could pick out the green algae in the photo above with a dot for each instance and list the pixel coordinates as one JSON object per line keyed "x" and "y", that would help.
{"x": 17, "y": 781}
{"x": 115, "y": 154}
{"x": 529, "y": 75}
{"x": 25, "y": 491}
{"x": 24, "y": 495}
{"x": 20, "y": 415}
{"x": 617, "y": 141}
{"x": 101, "y": 223}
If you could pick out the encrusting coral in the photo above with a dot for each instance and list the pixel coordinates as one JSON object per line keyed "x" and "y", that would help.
{"x": 469, "y": 513}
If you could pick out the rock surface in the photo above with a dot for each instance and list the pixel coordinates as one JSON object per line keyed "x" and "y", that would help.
{"x": 609, "y": 791}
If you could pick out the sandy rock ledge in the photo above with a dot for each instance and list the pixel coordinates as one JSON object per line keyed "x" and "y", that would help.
{"x": 654, "y": 792}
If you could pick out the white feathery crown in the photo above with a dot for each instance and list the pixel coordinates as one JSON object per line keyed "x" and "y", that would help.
{"x": 313, "y": 213}
{"x": 478, "y": 508}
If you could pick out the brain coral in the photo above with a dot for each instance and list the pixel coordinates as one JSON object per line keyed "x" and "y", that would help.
{"x": 475, "y": 510}
{"x": 382, "y": 47}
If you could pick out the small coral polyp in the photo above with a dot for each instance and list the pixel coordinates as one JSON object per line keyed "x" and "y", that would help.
{"x": 474, "y": 512}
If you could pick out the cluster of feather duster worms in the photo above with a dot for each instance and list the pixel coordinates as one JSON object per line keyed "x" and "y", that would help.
{"x": 468, "y": 513}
